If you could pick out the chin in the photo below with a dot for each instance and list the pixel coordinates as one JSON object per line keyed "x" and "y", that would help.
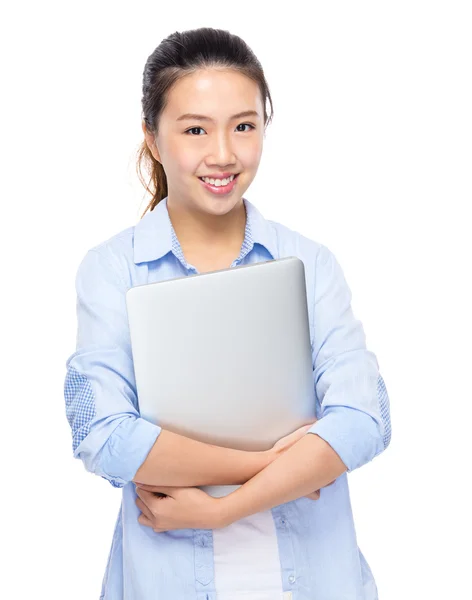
{"x": 222, "y": 205}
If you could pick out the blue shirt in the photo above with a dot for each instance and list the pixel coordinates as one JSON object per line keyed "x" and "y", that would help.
{"x": 319, "y": 555}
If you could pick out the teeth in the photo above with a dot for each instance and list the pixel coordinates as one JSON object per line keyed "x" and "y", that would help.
{"x": 217, "y": 182}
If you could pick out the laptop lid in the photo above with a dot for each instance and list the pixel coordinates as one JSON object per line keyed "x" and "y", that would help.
{"x": 225, "y": 357}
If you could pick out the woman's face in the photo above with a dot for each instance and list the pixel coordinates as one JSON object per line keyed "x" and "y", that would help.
{"x": 215, "y": 143}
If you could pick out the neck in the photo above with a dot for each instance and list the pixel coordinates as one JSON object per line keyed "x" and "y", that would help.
{"x": 197, "y": 230}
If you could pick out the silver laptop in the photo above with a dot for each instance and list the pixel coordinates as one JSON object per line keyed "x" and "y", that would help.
{"x": 225, "y": 357}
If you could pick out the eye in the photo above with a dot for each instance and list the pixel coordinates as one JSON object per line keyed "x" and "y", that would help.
{"x": 193, "y": 129}
{"x": 248, "y": 124}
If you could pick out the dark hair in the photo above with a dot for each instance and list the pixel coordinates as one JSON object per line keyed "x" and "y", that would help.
{"x": 177, "y": 55}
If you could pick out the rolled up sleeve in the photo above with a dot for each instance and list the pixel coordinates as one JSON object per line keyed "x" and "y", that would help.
{"x": 108, "y": 434}
{"x": 355, "y": 407}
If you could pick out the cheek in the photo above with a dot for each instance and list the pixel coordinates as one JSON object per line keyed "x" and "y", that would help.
{"x": 250, "y": 156}
{"x": 183, "y": 160}
{"x": 251, "y": 150}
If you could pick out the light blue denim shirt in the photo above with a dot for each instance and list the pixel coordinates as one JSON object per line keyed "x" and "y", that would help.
{"x": 319, "y": 555}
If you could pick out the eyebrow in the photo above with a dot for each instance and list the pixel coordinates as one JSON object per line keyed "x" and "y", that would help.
{"x": 194, "y": 117}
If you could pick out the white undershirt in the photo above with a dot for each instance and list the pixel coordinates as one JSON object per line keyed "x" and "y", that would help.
{"x": 246, "y": 555}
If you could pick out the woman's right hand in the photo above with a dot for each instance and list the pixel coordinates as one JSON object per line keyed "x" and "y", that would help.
{"x": 289, "y": 440}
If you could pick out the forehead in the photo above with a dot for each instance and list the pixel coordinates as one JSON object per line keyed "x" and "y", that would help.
{"x": 213, "y": 92}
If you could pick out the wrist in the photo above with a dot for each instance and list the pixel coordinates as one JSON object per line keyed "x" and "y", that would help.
{"x": 222, "y": 515}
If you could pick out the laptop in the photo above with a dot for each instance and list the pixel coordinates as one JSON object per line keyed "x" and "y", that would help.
{"x": 224, "y": 357}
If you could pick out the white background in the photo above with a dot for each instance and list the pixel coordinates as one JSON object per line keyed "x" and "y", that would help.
{"x": 369, "y": 153}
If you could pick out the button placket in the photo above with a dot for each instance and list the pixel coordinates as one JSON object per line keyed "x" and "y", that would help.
{"x": 204, "y": 564}
{"x": 287, "y": 560}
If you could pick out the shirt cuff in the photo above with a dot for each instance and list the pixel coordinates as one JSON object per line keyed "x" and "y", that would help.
{"x": 354, "y": 435}
{"x": 127, "y": 449}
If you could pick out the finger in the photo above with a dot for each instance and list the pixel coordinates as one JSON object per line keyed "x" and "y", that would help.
{"x": 149, "y": 498}
{"x": 144, "y": 509}
{"x": 143, "y": 494}
{"x": 143, "y": 520}
{"x": 303, "y": 429}
{"x": 167, "y": 490}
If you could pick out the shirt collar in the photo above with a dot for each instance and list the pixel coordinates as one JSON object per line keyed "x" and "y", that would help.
{"x": 154, "y": 236}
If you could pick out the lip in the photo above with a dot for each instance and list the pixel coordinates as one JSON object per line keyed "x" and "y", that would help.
{"x": 222, "y": 190}
{"x": 219, "y": 175}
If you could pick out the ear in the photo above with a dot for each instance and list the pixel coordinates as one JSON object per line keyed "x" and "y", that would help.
{"x": 151, "y": 142}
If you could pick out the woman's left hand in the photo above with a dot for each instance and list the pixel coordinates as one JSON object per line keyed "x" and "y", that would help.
{"x": 181, "y": 508}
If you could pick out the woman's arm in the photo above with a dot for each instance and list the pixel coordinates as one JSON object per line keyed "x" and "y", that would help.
{"x": 176, "y": 460}
{"x": 308, "y": 465}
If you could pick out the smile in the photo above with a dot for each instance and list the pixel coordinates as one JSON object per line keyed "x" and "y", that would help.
{"x": 219, "y": 186}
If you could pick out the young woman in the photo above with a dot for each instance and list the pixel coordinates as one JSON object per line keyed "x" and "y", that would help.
{"x": 276, "y": 537}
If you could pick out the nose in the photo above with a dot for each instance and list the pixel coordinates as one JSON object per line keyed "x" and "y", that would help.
{"x": 221, "y": 152}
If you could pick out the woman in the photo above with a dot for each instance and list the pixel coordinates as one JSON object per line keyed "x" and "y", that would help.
{"x": 276, "y": 537}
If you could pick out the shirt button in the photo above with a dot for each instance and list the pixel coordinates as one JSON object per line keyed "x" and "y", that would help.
{"x": 283, "y": 522}
{"x": 291, "y": 579}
